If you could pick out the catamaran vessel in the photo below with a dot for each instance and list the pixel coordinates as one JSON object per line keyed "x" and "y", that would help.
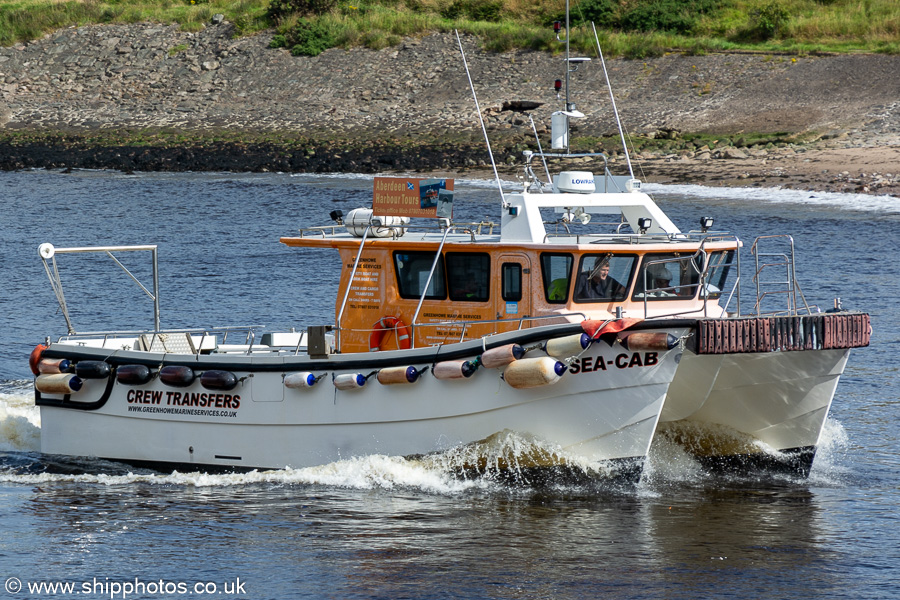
{"x": 588, "y": 337}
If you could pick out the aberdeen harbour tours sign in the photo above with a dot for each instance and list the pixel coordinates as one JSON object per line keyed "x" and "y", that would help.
{"x": 408, "y": 197}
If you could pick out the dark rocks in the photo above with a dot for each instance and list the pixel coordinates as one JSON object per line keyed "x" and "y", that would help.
{"x": 87, "y": 96}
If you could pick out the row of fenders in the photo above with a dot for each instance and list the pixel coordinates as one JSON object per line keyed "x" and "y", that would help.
{"x": 62, "y": 376}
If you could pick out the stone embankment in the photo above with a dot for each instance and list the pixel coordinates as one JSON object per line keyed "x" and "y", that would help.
{"x": 149, "y": 96}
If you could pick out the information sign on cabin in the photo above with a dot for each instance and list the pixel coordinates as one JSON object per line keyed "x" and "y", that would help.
{"x": 409, "y": 197}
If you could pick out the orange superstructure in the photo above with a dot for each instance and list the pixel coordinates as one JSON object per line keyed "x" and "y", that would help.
{"x": 479, "y": 288}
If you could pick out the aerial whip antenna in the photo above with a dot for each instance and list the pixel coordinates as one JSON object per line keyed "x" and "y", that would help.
{"x": 481, "y": 119}
{"x": 613, "y": 100}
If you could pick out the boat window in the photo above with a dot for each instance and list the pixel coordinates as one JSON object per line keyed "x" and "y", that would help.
{"x": 668, "y": 277}
{"x": 604, "y": 277}
{"x": 468, "y": 276}
{"x": 511, "y": 290}
{"x": 717, "y": 272}
{"x": 412, "y": 274}
{"x": 556, "y": 269}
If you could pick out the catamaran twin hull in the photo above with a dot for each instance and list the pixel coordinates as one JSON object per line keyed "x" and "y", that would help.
{"x": 722, "y": 391}
{"x": 600, "y": 413}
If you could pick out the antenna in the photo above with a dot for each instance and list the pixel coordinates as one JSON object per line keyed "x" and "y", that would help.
{"x": 613, "y": 100}
{"x": 481, "y": 119}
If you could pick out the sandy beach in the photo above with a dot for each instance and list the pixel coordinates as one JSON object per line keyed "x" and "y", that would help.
{"x": 869, "y": 170}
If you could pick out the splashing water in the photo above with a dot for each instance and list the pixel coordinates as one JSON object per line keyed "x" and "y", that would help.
{"x": 370, "y": 472}
{"x": 503, "y": 461}
{"x": 673, "y": 456}
{"x": 20, "y": 419}
{"x": 828, "y": 468}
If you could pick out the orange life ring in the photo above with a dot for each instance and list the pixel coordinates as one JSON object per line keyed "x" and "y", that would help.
{"x": 35, "y": 358}
{"x": 385, "y": 324}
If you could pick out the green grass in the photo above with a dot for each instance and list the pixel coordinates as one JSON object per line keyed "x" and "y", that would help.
{"x": 630, "y": 28}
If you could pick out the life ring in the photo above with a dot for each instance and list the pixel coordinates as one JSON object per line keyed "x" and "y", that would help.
{"x": 385, "y": 324}
{"x": 35, "y": 358}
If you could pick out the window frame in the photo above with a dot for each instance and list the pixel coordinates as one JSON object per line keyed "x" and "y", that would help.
{"x": 636, "y": 260}
{"x": 439, "y": 280}
{"x": 509, "y": 266}
{"x": 725, "y": 261}
{"x": 638, "y": 294}
{"x": 544, "y": 256}
{"x": 454, "y": 294}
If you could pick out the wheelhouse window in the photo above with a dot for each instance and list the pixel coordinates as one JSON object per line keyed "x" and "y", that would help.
{"x": 717, "y": 272}
{"x": 556, "y": 270}
{"x": 604, "y": 277}
{"x": 511, "y": 276}
{"x": 667, "y": 277}
{"x": 412, "y": 270}
{"x": 468, "y": 276}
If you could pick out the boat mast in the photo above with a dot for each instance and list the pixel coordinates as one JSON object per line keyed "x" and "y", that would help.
{"x": 613, "y": 100}
{"x": 569, "y": 107}
{"x": 487, "y": 140}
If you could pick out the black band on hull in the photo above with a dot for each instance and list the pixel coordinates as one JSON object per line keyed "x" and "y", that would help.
{"x": 371, "y": 361}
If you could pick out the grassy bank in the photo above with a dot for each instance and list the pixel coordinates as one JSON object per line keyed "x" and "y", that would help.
{"x": 631, "y": 28}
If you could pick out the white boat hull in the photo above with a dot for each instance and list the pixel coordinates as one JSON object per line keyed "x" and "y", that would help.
{"x": 778, "y": 398}
{"x": 593, "y": 417}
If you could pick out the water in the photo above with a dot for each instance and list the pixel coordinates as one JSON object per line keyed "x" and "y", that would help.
{"x": 388, "y": 527}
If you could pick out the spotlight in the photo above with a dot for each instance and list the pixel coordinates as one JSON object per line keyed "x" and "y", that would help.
{"x": 582, "y": 216}
{"x": 337, "y": 216}
{"x": 644, "y": 224}
{"x": 706, "y": 224}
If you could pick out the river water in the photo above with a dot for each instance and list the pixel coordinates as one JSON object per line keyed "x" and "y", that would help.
{"x": 389, "y": 527}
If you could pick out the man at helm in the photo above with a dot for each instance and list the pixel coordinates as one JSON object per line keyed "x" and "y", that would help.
{"x": 659, "y": 278}
{"x": 596, "y": 283}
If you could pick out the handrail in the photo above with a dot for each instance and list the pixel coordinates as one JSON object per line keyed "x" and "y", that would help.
{"x": 465, "y": 324}
{"x": 337, "y": 325}
{"x": 735, "y": 288}
{"x": 635, "y": 238}
{"x": 437, "y": 257}
{"x": 467, "y": 226}
{"x": 124, "y": 332}
{"x": 791, "y": 287}
{"x": 703, "y": 282}
{"x": 48, "y": 253}
{"x": 645, "y": 267}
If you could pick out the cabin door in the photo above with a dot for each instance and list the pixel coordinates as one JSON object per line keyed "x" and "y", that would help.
{"x": 513, "y": 291}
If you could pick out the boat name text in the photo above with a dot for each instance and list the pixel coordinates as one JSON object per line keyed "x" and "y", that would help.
{"x": 589, "y": 364}
{"x": 198, "y": 399}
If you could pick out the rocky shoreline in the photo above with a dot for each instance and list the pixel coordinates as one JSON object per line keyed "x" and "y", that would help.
{"x": 150, "y": 97}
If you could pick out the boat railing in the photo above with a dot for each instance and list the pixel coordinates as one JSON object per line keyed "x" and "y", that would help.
{"x": 776, "y": 275}
{"x": 320, "y": 230}
{"x": 48, "y": 254}
{"x": 637, "y": 238}
{"x": 434, "y": 264}
{"x": 700, "y": 262}
{"x": 472, "y": 228}
{"x": 340, "y": 316}
{"x": 522, "y": 321}
{"x": 519, "y": 322}
{"x": 616, "y": 225}
{"x": 174, "y": 341}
